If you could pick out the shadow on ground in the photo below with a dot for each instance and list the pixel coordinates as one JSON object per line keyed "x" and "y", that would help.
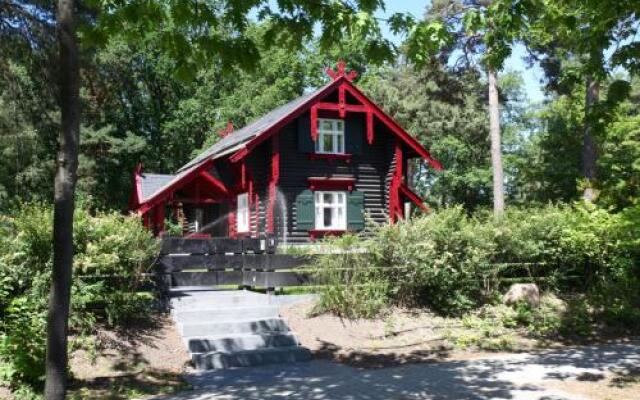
{"x": 518, "y": 377}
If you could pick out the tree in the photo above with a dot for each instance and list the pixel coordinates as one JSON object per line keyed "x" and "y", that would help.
{"x": 193, "y": 34}
{"x": 572, "y": 39}
{"x": 64, "y": 202}
{"x": 475, "y": 27}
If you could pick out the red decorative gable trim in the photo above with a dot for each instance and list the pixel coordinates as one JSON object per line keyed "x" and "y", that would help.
{"x": 136, "y": 196}
{"x": 215, "y": 183}
{"x": 371, "y": 109}
{"x": 341, "y": 71}
{"x": 321, "y": 183}
{"x": 178, "y": 181}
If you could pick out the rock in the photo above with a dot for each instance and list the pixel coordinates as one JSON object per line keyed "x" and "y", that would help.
{"x": 523, "y": 292}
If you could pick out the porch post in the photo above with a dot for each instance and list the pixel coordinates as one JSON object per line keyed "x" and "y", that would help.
{"x": 158, "y": 214}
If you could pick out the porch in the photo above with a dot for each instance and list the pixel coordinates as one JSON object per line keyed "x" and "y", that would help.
{"x": 198, "y": 206}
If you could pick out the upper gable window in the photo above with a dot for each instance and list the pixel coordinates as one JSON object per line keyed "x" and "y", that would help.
{"x": 330, "y": 136}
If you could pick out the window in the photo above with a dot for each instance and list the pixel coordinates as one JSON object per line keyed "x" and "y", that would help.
{"x": 330, "y": 136}
{"x": 331, "y": 210}
{"x": 243, "y": 212}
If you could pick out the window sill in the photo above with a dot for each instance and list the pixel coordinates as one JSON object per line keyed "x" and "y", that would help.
{"x": 330, "y": 157}
{"x": 320, "y": 233}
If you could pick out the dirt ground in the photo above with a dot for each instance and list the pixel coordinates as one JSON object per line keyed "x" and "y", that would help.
{"x": 406, "y": 336}
{"x": 143, "y": 360}
{"x": 401, "y": 337}
{"x": 623, "y": 385}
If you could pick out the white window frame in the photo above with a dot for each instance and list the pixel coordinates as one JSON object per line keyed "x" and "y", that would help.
{"x": 242, "y": 213}
{"x": 336, "y": 131}
{"x": 339, "y": 220}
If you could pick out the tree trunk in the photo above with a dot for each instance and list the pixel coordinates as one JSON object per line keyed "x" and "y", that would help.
{"x": 589, "y": 153}
{"x": 496, "y": 144}
{"x": 64, "y": 198}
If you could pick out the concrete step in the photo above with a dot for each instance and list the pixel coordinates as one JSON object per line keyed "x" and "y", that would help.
{"x": 190, "y": 329}
{"x": 217, "y": 301}
{"x": 244, "y": 342}
{"x": 224, "y": 314}
{"x": 222, "y": 360}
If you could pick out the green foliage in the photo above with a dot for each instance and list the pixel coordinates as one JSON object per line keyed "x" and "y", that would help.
{"x": 112, "y": 252}
{"x": 351, "y": 288}
{"x": 454, "y": 263}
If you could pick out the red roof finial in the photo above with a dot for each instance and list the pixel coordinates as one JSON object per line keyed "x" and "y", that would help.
{"x": 341, "y": 71}
{"x": 226, "y": 130}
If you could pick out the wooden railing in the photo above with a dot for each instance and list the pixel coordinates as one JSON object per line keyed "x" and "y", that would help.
{"x": 249, "y": 262}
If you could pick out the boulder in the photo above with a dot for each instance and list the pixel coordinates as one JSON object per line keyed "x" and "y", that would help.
{"x": 522, "y": 292}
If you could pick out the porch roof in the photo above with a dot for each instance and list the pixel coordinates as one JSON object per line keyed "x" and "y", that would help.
{"x": 152, "y": 183}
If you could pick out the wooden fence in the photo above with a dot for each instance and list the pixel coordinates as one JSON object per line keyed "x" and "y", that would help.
{"x": 250, "y": 262}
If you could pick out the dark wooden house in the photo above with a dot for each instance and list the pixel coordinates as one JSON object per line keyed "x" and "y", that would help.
{"x": 315, "y": 166}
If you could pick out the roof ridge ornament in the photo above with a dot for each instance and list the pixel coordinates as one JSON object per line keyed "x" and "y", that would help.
{"x": 226, "y": 131}
{"x": 341, "y": 72}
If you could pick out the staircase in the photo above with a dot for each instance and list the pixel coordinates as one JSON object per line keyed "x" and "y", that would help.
{"x": 234, "y": 328}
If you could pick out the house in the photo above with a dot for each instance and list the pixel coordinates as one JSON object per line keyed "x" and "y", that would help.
{"x": 312, "y": 167}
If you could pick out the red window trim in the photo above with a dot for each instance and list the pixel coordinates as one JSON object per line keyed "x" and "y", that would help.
{"x": 331, "y": 157}
{"x": 320, "y": 233}
{"x": 321, "y": 183}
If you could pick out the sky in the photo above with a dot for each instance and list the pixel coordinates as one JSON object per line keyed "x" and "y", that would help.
{"x": 530, "y": 75}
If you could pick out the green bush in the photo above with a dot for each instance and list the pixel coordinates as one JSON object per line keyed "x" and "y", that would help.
{"x": 454, "y": 263}
{"x": 111, "y": 253}
{"x": 350, "y": 287}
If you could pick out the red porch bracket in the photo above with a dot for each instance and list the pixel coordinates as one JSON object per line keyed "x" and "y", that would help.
{"x": 411, "y": 195}
{"x": 239, "y": 155}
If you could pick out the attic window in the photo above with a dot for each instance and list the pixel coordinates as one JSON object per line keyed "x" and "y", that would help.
{"x": 330, "y": 136}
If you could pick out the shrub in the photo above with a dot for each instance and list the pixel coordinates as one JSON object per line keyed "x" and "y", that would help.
{"x": 351, "y": 288}
{"x": 111, "y": 253}
{"x": 454, "y": 263}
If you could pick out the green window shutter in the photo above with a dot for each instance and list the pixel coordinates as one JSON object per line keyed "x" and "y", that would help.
{"x": 354, "y": 133}
{"x": 305, "y": 210}
{"x": 305, "y": 144}
{"x": 355, "y": 211}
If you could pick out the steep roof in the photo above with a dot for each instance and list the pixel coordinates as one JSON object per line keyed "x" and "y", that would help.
{"x": 253, "y": 129}
{"x": 227, "y": 145}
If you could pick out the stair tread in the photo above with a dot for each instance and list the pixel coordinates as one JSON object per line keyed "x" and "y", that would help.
{"x": 240, "y": 335}
{"x": 280, "y": 349}
{"x": 233, "y": 321}
{"x": 230, "y": 309}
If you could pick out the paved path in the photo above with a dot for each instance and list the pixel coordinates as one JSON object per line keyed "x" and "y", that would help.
{"x": 514, "y": 377}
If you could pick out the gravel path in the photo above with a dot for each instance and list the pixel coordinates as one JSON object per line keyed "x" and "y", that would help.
{"x": 514, "y": 376}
